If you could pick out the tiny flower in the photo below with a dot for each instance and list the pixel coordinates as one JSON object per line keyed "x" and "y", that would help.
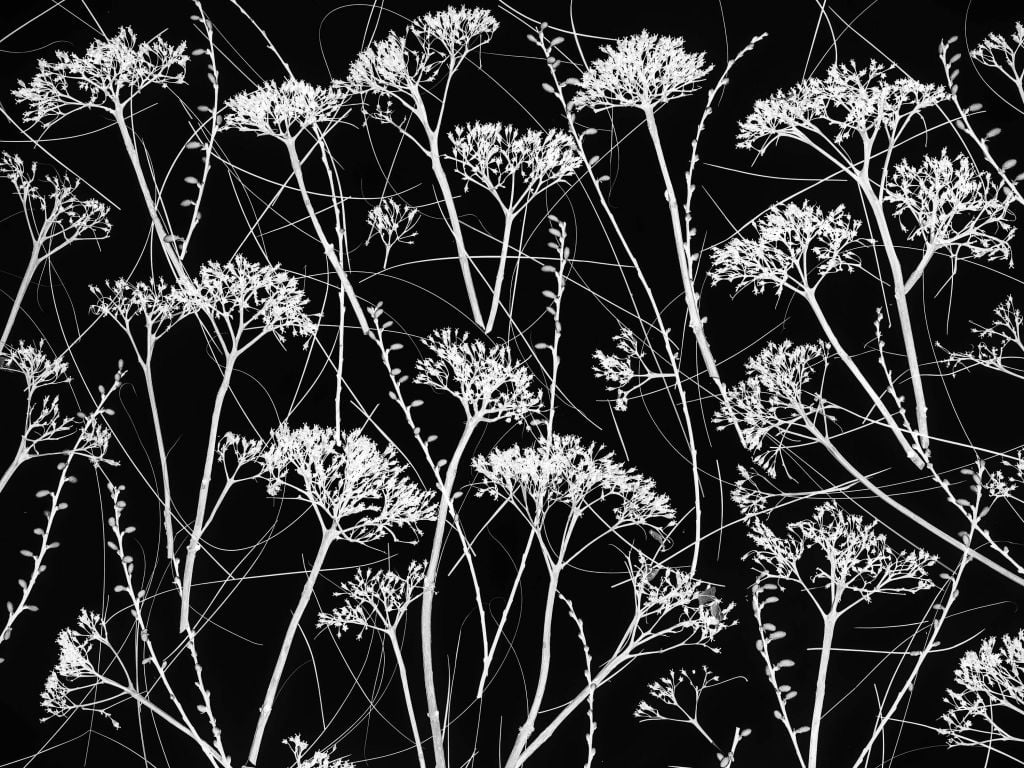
{"x": 644, "y": 71}
{"x": 286, "y": 110}
{"x": 482, "y": 378}
{"x": 108, "y": 76}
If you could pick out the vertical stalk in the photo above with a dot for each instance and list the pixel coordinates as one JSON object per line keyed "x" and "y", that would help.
{"x": 407, "y": 693}
{"x": 682, "y": 253}
{"x": 902, "y": 310}
{"x": 26, "y": 280}
{"x": 204, "y": 488}
{"x": 500, "y": 278}
{"x": 147, "y": 374}
{"x": 286, "y": 645}
{"x": 429, "y": 583}
{"x": 819, "y": 689}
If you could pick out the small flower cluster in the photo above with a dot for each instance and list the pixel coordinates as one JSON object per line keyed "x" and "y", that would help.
{"x": 286, "y": 110}
{"x": 495, "y": 156}
{"x": 73, "y": 664}
{"x": 620, "y": 369}
{"x": 38, "y": 368}
{"x": 358, "y": 488}
{"x": 397, "y": 65}
{"x": 56, "y": 217}
{"x": 671, "y": 601}
{"x": 768, "y": 406}
{"x": 787, "y": 237}
{"x": 859, "y": 559}
{"x": 159, "y": 305}
{"x": 996, "y": 51}
{"x": 565, "y": 470}
{"x": 955, "y": 208}
{"x": 250, "y": 294}
{"x": 318, "y": 758}
{"x": 644, "y": 71}
{"x": 1001, "y": 342}
{"x": 393, "y": 222}
{"x": 482, "y": 378}
{"x": 988, "y": 684}
{"x": 846, "y": 101}
{"x": 375, "y": 600}
{"x": 109, "y": 75}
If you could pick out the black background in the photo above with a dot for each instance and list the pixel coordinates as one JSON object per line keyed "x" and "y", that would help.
{"x": 319, "y": 39}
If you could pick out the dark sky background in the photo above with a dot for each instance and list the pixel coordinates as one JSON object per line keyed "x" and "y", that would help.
{"x": 319, "y": 39}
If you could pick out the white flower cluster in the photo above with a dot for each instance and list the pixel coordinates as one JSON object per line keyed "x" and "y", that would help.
{"x": 159, "y": 305}
{"x": 357, "y": 487}
{"x": 318, "y": 758}
{"x": 644, "y": 71}
{"x": 565, "y": 470}
{"x": 847, "y": 100}
{"x": 375, "y": 600}
{"x": 670, "y": 598}
{"x": 860, "y": 561}
{"x": 73, "y": 664}
{"x": 251, "y": 295}
{"x": 990, "y": 685}
{"x": 393, "y": 222}
{"x": 495, "y": 156}
{"x": 286, "y": 110}
{"x": 1001, "y": 346}
{"x": 38, "y": 368}
{"x": 482, "y": 378}
{"x": 398, "y": 64}
{"x": 58, "y": 216}
{"x": 955, "y": 208}
{"x": 620, "y": 369}
{"x": 788, "y": 237}
{"x": 768, "y": 406}
{"x": 109, "y": 75}
{"x": 996, "y": 51}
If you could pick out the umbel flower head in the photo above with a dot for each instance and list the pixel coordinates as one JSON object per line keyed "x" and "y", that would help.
{"x": 249, "y": 296}
{"x": 286, "y": 110}
{"x": 997, "y": 52}
{"x": 953, "y": 207}
{"x": 397, "y": 65}
{"x": 38, "y": 368}
{"x": 847, "y": 100}
{"x": 644, "y": 71}
{"x": 56, "y": 217}
{"x": 768, "y": 406}
{"x": 74, "y": 678}
{"x": 792, "y": 241}
{"x": 303, "y": 757}
{"x": 619, "y": 369}
{"x": 496, "y": 156}
{"x": 108, "y": 76}
{"x": 565, "y": 470}
{"x": 1001, "y": 347}
{"x": 482, "y": 378}
{"x": 375, "y": 600}
{"x": 861, "y": 564}
{"x": 989, "y": 693}
{"x": 357, "y": 489}
{"x": 159, "y": 305}
{"x": 393, "y": 222}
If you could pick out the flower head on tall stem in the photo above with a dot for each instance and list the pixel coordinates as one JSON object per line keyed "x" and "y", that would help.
{"x": 644, "y": 71}
{"x": 158, "y": 304}
{"x": 393, "y": 223}
{"x": 483, "y": 378}
{"x": 375, "y": 600}
{"x": 792, "y": 241}
{"x": 357, "y": 489}
{"x": 847, "y": 100}
{"x": 1000, "y": 346}
{"x": 284, "y": 111}
{"x": 108, "y": 75}
{"x": 953, "y": 207}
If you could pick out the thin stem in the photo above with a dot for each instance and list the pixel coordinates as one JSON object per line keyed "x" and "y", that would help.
{"x": 204, "y": 489}
{"x": 286, "y": 645}
{"x": 26, "y": 280}
{"x": 403, "y": 675}
{"x": 500, "y": 278}
{"x": 819, "y": 688}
